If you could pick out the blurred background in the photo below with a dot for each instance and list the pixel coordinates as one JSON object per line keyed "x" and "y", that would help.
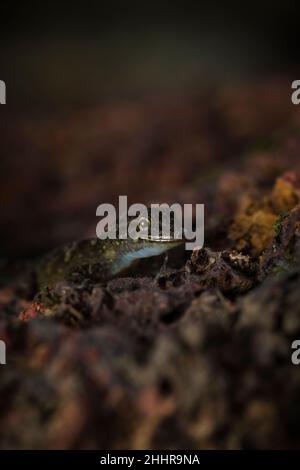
{"x": 164, "y": 102}
{"x": 56, "y": 54}
{"x": 106, "y": 98}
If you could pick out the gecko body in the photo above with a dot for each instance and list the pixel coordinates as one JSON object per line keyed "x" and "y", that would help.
{"x": 99, "y": 259}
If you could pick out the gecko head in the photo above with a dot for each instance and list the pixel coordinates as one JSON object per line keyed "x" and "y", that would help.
{"x": 149, "y": 235}
{"x": 158, "y": 227}
{"x": 153, "y": 235}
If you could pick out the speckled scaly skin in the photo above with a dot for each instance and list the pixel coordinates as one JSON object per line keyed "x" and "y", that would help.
{"x": 97, "y": 259}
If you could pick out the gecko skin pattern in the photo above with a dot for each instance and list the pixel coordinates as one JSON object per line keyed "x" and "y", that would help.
{"x": 97, "y": 259}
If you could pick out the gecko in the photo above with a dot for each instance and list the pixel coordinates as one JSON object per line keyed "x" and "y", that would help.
{"x": 102, "y": 260}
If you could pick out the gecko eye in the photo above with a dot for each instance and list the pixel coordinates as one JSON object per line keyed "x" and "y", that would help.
{"x": 143, "y": 225}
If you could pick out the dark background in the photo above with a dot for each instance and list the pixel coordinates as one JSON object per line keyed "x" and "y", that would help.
{"x": 164, "y": 102}
{"x": 144, "y": 99}
{"x": 63, "y": 52}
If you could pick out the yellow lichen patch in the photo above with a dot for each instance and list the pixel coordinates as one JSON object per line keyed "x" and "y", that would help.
{"x": 254, "y": 230}
{"x": 254, "y": 225}
{"x": 284, "y": 196}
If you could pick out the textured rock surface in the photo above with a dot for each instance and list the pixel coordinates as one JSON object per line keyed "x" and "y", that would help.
{"x": 197, "y": 355}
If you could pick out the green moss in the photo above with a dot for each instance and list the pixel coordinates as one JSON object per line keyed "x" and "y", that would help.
{"x": 279, "y": 269}
{"x": 279, "y": 222}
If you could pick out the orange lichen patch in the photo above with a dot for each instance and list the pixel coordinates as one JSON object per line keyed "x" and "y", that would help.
{"x": 32, "y": 311}
{"x": 286, "y": 193}
{"x": 253, "y": 227}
